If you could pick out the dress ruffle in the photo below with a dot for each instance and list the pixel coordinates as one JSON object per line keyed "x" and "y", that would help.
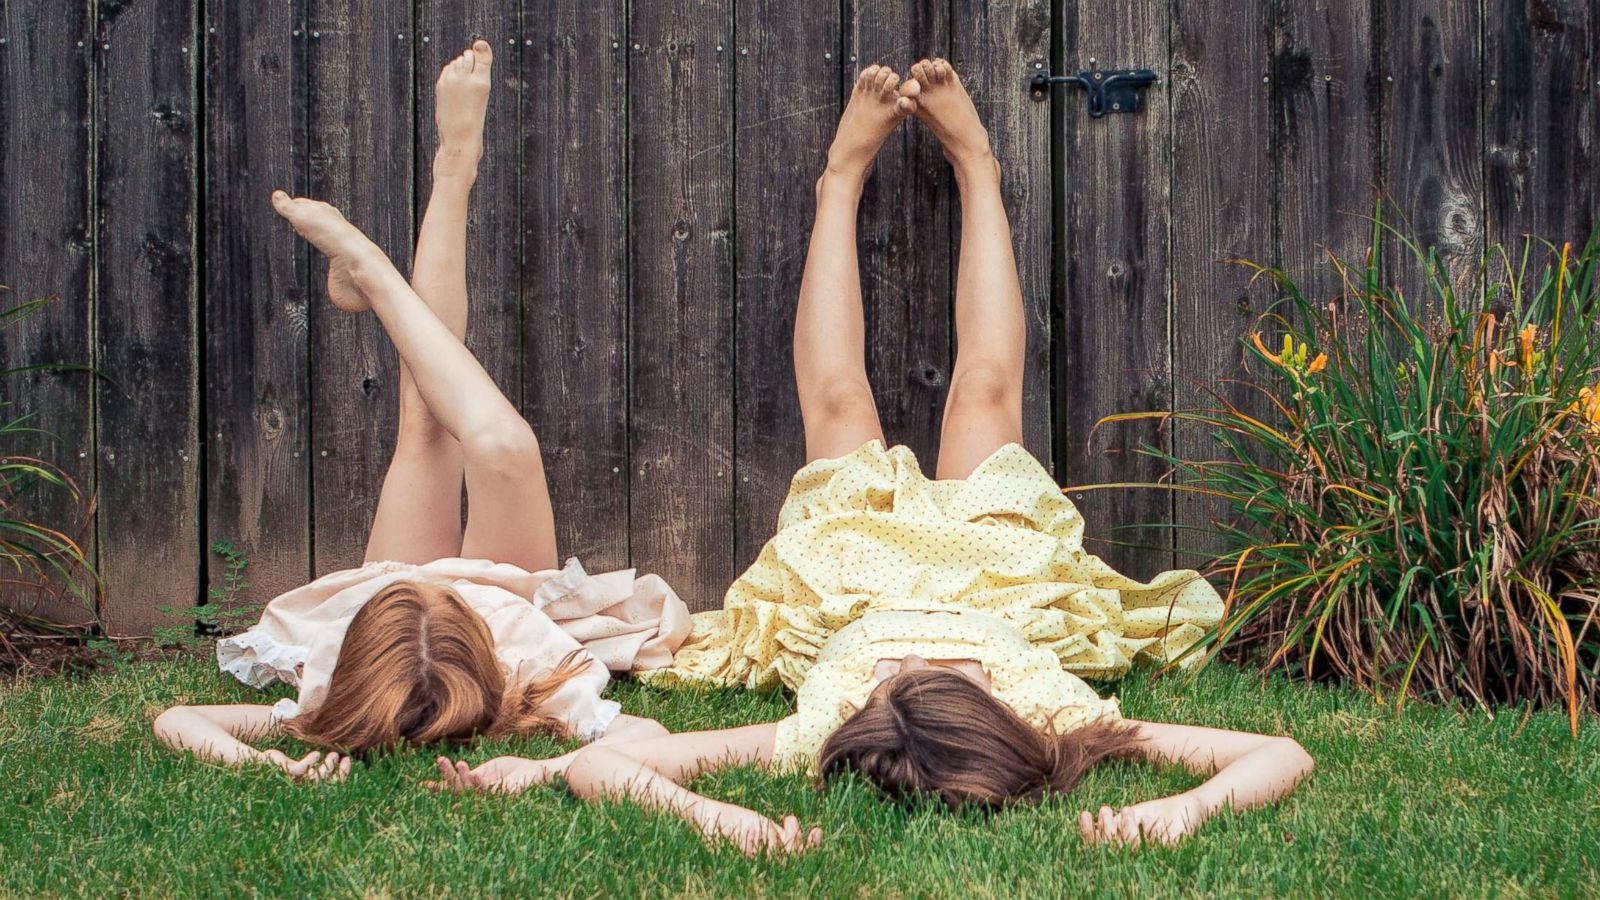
{"x": 620, "y": 621}
{"x": 869, "y": 531}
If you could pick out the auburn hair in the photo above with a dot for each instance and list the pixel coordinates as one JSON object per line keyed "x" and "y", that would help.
{"x": 937, "y": 732}
{"x": 417, "y": 667}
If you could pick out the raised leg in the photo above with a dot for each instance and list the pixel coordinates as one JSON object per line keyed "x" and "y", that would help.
{"x": 419, "y": 509}
{"x": 984, "y": 409}
{"x": 830, "y": 365}
{"x": 509, "y": 516}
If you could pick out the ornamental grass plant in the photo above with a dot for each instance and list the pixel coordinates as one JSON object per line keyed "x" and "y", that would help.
{"x": 1416, "y": 512}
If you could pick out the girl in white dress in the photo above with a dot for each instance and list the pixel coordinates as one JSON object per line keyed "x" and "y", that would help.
{"x": 447, "y": 632}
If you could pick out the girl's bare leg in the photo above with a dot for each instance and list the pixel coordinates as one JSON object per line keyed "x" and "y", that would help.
{"x": 984, "y": 408}
{"x": 419, "y": 508}
{"x": 830, "y": 364}
{"x": 509, "y": 508}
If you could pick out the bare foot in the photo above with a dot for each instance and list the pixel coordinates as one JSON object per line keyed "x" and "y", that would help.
{"x": 878, "y": 104}
{"x": 946, "y": 108}
{"x": 461, "y": 100}
{"x": 349, "y": 252}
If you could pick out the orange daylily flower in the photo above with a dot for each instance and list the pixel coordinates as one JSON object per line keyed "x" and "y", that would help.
{"x": 1318, "y": 364}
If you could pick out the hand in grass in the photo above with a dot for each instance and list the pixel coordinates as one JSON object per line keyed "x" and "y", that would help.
{"x": 501, "y": 775}
{"x": 1164, "y": 821}
{"x": 753, "y": 833}
{"x": 311, "y": 767}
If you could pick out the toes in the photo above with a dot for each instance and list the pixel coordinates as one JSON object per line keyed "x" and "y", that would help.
{"x": 905, "y": 106}
{"x": 281, "y": 201}
{"x": 884, "y": 74}
{"x": 867, "y": 77}
{"x": 891, "y": 84}
{"x": 483, "y": 52}
{"x": 921, "y": 71}
{"x": 911, "y": 90}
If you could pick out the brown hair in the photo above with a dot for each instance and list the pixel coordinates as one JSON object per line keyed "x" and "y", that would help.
{"x": 936, "y": 731}
{"x": 418, "y": 666}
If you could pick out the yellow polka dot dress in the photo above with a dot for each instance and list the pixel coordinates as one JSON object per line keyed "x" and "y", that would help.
{"x": 869, "y": 533}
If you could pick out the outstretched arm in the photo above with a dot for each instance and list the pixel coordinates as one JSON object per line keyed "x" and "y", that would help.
{"x": 650, "y": 772}
{"x": 220, "y": 733}
{"x": 1246, "y": 770}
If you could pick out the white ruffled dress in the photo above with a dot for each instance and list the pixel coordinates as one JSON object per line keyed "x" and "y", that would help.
{"x": 620, "y": 621}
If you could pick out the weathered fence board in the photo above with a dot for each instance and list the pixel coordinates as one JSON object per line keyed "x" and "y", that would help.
{"x": 1114, "y": 348}
{"x": 45, "y": 251}
{"x": 146, "y": 421}
{"x": 680, "y": 411}
{"x": 1432, "y": 160}
{"x": 255, "y": 284}
{"x": 639, "y": 229}
{"x": 574, "y": 289}
{"x": 1324, "y": 138}
{"x": 904, "y": 233}
{"x": 780, "y": 149}
{"x": 1542, "y": 77}
{"x": 360, "y": 124}
{"x": 1221, "y": 212}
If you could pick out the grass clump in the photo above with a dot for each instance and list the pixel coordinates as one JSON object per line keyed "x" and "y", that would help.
{"x": 1419, "y": 513}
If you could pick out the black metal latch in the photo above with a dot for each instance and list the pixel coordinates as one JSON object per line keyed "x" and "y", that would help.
{"x": 1109, "y": 90}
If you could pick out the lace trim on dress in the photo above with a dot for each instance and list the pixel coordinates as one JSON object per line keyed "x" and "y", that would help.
{"x": 258, "y": 659}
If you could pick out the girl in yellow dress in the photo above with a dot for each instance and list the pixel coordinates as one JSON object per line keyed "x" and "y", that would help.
{"x": 934, "y": 630}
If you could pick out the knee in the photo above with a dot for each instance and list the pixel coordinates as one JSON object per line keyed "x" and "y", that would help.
{"x": 842, "y": 398}
{"x": 984, "y": 386}
{"x": 507, "y": 446}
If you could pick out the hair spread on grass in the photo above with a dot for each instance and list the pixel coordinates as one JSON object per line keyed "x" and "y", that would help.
{"x": 934, "y": 732}
{"x": 418, "y": 667}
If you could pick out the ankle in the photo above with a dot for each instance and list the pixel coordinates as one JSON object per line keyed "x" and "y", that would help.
{"x": 457, "y": 161}
{"x": 842, "y": 180}
{"x": 976, "y": 168}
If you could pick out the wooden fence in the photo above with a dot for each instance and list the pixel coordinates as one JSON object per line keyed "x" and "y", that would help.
{"x": 640, "y": 227}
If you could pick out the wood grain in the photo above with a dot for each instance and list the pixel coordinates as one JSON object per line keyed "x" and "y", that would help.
{"x": 680, "y": 411}
{"x": 146, "y": 310}
{"x": 574, "y": 281}
{"x": 1542, "y": 78}
{"x": 255, "y": 283}
{"x": 781, "y": 147}
{"x": 1325, "y": 124}
{"x": 1432, "y": 166}
{"x": 45, "y": 251}
{"x": 360, "y": 125}
{"x": 1222, "y": 211}
{"x": 1113, "y": 355}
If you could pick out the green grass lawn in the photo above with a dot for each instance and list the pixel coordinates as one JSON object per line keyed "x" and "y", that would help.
{"x": 1437, "y": 802}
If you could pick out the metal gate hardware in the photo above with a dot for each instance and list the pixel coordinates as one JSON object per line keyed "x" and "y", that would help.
{"x": 1109, "y": 90}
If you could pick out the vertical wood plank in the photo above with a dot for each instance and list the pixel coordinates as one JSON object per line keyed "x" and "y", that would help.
{"x": 1541, "y": 155}
{"x": 258, "y": 491}
{"x": 360, "y": 124}
{"x": 148, "y": 526}
{"x": 1324, "y": 136}
{"x": 574, "y": 281}
{"x": 1432, "y": 165}
{"x": 1221, "y": 211}
{"x": 494, "y": 249}
{"x": 904, "y": 233}
{"x": 782, "y": 146}
{"x": 45, "y": 252}
{"x": 1113, "y": 355}
{"x": 996, "y": 46}
{"x": 680, "y": 425}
